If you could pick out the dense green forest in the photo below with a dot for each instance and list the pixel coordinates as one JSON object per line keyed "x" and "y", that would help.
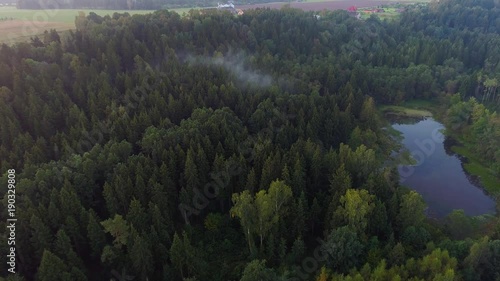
{"x": 127, "y": 4}
{"x": 215, "y": 147}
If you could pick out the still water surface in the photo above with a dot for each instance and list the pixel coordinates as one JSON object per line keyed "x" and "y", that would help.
{"x": 439, "y": 176}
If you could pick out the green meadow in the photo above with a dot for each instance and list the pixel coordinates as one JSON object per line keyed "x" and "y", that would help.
{"x": 65, "y": 15}
{"x": 20, "y": 25}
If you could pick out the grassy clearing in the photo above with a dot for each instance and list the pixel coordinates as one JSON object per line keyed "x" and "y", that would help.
{"x": 475, "y": 167}
{"x": 61, "y": 16}
{"x": 18, "y": 31}
{"x": 20, "y": 25}
{"x": 420, "y": 104}
{"x": 411, "y": 109}
{"x": 403, "y": 111}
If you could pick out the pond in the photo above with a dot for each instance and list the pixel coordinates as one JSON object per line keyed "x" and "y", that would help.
{"x": 438, "y": 174}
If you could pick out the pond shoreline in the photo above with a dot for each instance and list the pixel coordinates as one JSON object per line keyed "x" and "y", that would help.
{"x": 440, "y": 175}
{"x": 479, "y": 173}
{"x": 451, "y": 142}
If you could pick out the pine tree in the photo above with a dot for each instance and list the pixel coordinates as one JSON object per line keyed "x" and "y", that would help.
{"x": 52, "y": 268}
{"x": 70, "y": 204}
{"x": 137, "y": 216}
{"x": 141, "y": 256}
{"x": 96, "y": 235}
{"x": 191, "y": 255}
{"x": 285, "y": 175}
{"x": 369, "y": 114}
{"x": 110, "y": 198}
{"x": 41, "y": 237}
{"x": 314, "y": 214}
{"x": 54, "y": 215}
{"x": 267, "y": 173}
{"x": 299, "y": 224}
{"x": 177, "y": 255}
{"x": 191, "y": 175}
{"x": 164, "y": 226}
{"x": 139, "y": 190}
{"x": 76, "y": 232}
{"x": 298, "y": 177}
{"x": 251, "y": 182}
{"x": 340, "y": 182}
{"x": 202, "y": 164}
{"x": 64, "y": 249}
{"x": 270, "y": 248}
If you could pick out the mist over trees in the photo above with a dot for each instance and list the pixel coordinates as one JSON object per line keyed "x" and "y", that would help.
{"x": 215, "y": 147}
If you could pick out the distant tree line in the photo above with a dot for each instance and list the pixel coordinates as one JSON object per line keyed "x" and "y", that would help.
{"x": 125, "y": 4}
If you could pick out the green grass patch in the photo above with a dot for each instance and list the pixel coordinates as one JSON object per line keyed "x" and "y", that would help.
{"x": 405, "y": 111}
{"x": 61, "y": 15}
{"x": 419, "y": 104}
{"x": 20, "y": 25}
{"x": 68, "y": 15}
{"x": 475, "y": 167}
{"x": 416, "y": 108}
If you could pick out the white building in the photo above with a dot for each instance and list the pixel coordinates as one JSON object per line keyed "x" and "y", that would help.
{"x": 229, "y": 5}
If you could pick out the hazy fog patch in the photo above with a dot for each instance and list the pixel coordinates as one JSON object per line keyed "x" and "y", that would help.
{"x": 237, "y": 65}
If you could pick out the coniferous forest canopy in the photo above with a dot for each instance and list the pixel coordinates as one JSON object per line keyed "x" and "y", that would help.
{"x": 216, "y": 147}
